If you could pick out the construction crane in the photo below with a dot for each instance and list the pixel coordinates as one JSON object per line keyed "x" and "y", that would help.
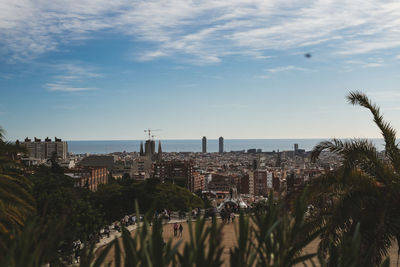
{"x": 148, "y": 131}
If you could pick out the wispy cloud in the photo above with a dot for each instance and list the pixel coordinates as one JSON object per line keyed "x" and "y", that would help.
{"x": 373, "y": 65}
{"x": 272, "y": 71}
{"x": 392, "y": 108}
{"x": 204, "y": 31}
{"x": 285, "y": 68}
{"x": 65, "y": 87}
{"x": 70, "y": 77}
{"x": 370, "y": 62}
{"x": 385, "y": 95}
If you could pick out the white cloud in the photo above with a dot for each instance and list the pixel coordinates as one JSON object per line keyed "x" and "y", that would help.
{"x": 285, "y": 68}
{"x": 271, "y": 71}
{"x": 206, "y": 31}
{"x": 69, "y": 77}
{"x": 373, "y": 65}
{"x": 385, "y": 95}
{"x": 370, "y": 62}
{"x": 65, "y": 87}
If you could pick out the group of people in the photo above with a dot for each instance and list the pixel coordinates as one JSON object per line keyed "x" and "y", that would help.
{"x": 129, "y": 220}
{"x": 164, "y": 214}
{"x": 176, "y": 228}
{"x": 227, "y": 216}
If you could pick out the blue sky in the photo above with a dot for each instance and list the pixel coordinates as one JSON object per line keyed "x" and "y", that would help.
{"x": 100, "y": 70}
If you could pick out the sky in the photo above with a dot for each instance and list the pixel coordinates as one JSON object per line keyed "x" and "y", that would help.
{"x": 107, "y": 70}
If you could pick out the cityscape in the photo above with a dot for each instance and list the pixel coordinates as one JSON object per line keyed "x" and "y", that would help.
{"x": 207, "y": 133}
{"x": 252, "y": 173}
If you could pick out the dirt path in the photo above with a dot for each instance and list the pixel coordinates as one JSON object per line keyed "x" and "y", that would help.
{"x": 229, "y": 241}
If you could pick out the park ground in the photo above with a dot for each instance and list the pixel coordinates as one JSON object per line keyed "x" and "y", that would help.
{"x": 229, "y": 241}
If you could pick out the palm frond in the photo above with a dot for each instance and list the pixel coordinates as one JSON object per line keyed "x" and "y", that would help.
{"x": 388, "y": 132}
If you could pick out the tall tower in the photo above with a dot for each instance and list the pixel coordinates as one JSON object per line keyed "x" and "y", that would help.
{"x": 153, "y": 147}
{"x": 296, "y": 148}
{"x": 159, "y": 154}
{"x": 141, "y": 149}
{"x": 221, "y": 145}
{"x": 149, "y": 148}
{"x": 204, "y": 145}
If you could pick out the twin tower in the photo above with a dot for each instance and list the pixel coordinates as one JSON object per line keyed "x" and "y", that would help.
{"x": 220, "y": 142}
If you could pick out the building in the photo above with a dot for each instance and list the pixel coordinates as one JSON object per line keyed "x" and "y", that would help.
{"x": 290, "y": 180}
{"x": 88, "y": 177}
{"x": 141, "y": 168}
{"x": 260, "y": 183}
{"x": 175, "y": 169}
{"x": 223, "y": 182}
{"x": 204, "y": 145}
{"x": 150, "y": 148}
{"x": 221, "y": 144}
{"x": 276, "y": 183}
{"x": 220, "y": 183}
{"x": 159, "y": 154}
{"x": 121, "y": 168}
{"x": 98, "y": 161}
{"x": 270, "y": 177}
{"x": 244, "y": 184}
{"x": 296, "y": 148}
{"x": 251, "y": 182}
{"x": 46, "y": 149}
{"x": 197, "y": 182}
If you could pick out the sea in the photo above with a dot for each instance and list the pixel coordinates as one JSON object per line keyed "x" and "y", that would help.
{"x": 266, "y": 145}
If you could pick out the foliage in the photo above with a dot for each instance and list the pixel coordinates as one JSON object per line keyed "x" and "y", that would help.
{"x": 358, "y": 215}
{"x": 57, "y": 197}
{"x": 16, "y": 203}
{"x": 35, "y": 245}
{"x": 365, "y": 191}
{"x": 281, "y": 236}
{"x": 273, "y": 237}
{"x": 117, "y": 199}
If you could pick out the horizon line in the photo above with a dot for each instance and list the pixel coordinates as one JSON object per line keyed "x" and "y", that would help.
{"x": 199, "y": 139}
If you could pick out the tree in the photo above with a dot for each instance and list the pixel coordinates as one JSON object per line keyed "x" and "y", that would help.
{"x": 364, "y": 191}
{"x": 16, "y": 203}
{"x": 58, "y": 198}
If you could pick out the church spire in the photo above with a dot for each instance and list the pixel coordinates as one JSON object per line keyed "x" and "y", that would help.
{"x": 159, "y": 150}
{"x": 141, "y": 149}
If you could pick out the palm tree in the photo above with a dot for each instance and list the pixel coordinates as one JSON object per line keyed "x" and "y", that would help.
{"x": 365, "y": 190}
{"x": 16, "y": 203}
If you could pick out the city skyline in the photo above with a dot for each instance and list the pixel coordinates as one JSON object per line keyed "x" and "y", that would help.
{"x": 96, "y": 70}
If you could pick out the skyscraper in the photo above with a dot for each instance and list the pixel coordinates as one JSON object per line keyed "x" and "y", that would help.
{"x": 204, "y": 145}
{"x": 296, "y": 148}
{"x": 221, "y": 145}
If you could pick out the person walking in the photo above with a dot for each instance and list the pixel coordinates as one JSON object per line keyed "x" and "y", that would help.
{"x": 175, "y": 229}
{"x": 180, "y": 229}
